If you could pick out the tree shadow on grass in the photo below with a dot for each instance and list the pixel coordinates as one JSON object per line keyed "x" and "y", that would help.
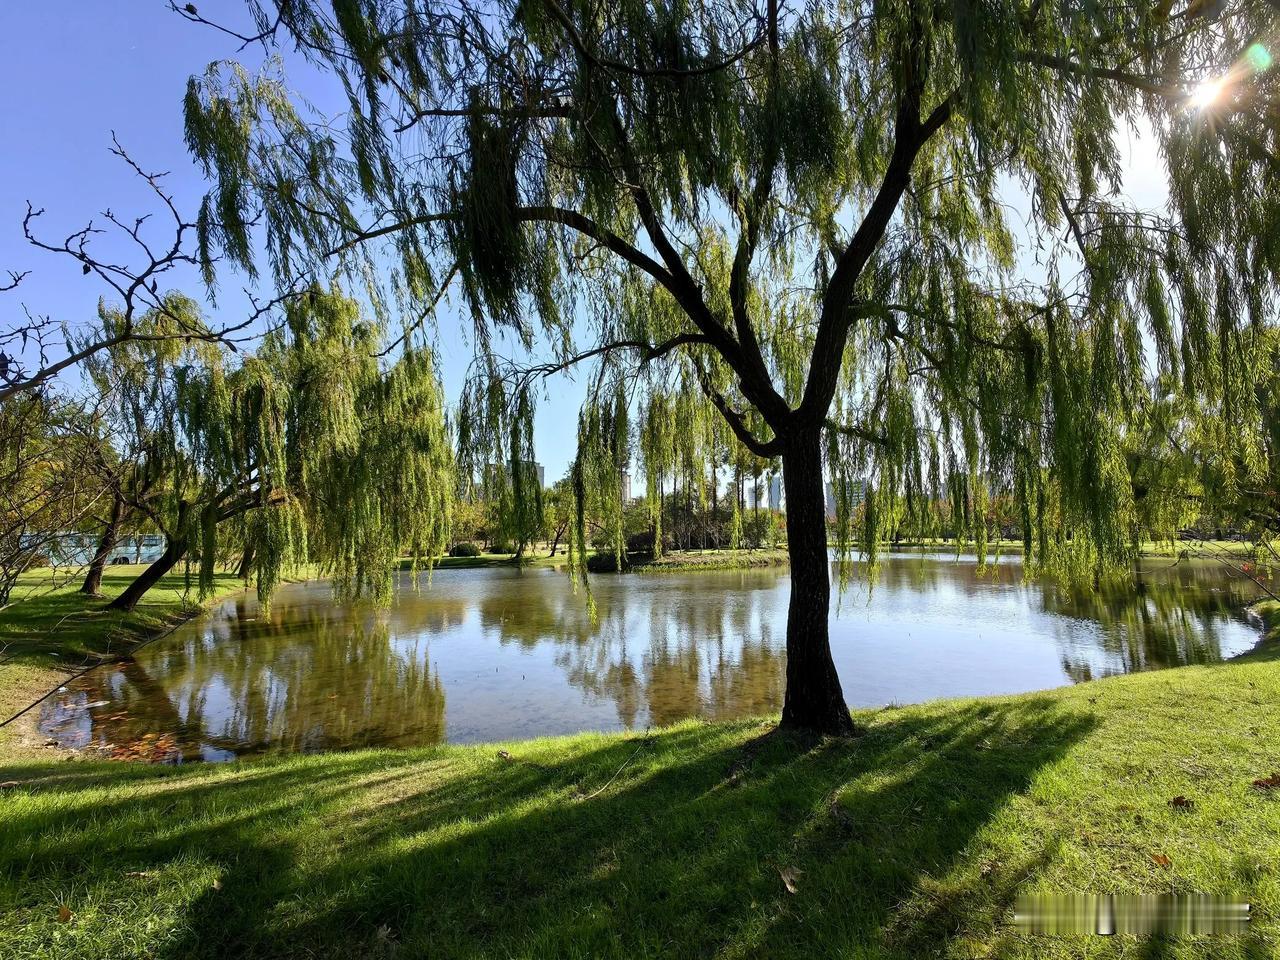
{"x": 673, "y": 845}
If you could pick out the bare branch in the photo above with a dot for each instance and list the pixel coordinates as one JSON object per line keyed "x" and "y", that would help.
{"x": 191, "y": 13}
{"x": 15, "y": 278}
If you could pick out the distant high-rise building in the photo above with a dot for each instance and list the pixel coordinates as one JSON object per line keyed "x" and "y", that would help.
{"x": 857, "y": 494}
{"x": 529, "y": 468}
{"x": 626, "y": 486}
{"x": 770, "y": 493}
{"x": 775, "y": 493}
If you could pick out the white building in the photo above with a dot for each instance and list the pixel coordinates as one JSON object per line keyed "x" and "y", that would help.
{"x": 770, "y": 493}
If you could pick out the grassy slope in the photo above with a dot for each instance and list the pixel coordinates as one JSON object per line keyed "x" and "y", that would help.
{"x": 52, "y": 630}
{"x": 912, "y": 839}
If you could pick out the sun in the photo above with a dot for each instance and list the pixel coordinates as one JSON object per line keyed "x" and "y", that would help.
{"x": 1208, "y": 93}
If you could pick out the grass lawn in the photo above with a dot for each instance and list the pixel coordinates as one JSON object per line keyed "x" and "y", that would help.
{"x": 677, "y": 560}
{"x": 910, "y": 841}
{"x": 1149, "y": 548}
{"x": 533, "y": 559}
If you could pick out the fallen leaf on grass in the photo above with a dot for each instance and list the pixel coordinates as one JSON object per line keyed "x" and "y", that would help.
{"x": 141, "y": 873}
{"x": 64, "y": 914}
{"x": 1182, "y": 803}
{"x": 1262, "y": 783}
{"x": 790, "y": 878}
{"x": 217, "y": 884}
{"x": 1161, "y": 860}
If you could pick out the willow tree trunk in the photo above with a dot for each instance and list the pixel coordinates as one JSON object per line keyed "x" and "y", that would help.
{"x": 246, "y": 561}
{"x": 107, "y": 542}
{"x": 814, "y": 700}
{"x": 174, "y": 550}
{"x": 555, "y": 544}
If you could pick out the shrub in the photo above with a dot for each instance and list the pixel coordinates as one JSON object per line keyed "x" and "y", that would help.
{"x": 502, "y": 546}
{"x": 606, "y": 562}
{"x": 640, "y": 542}
{"x": 464, "y": 550}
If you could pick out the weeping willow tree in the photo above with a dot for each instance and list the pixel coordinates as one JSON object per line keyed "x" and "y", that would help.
{"x": 1208, "y": 454}
{"x": 310, "y": 449}
{"x": 795, "y": 219}
{"x": 496, "y": 459}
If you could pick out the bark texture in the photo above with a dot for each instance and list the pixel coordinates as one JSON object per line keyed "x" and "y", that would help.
{"x": 174, "y": 551}
{"x": 814, "y": 700}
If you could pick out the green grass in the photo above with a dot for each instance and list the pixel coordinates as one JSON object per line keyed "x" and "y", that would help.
{"x": 1198, "y": 548}
{"x": 673, "y": 561}
{"x": 536, "y": 559}
{"x": 1148, "y": 548}
{"x": 683, "y": 560}
{"x": 911, "y": 841}
{"x": 680, "y": 560}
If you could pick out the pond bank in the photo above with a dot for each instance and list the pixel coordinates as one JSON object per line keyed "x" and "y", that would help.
{"x": 681, "y": 561}
{"x": 1209, "y": 549}
{"x": 674, "y": 561}
{"x": 912, "y": 839}
{"x": 55, "y": 632}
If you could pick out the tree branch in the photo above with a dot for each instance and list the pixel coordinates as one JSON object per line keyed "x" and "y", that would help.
{"x": 836, "y": 317}
{"x": 765, "y": 449}
{"x": 861, "y": 433}
{"x": 604, "y": 63}
{"x": 648, "y": 353}
{"x": 1063, "y": 65}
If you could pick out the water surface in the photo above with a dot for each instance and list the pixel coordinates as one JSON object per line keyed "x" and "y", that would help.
{"x": 495, "y": 654}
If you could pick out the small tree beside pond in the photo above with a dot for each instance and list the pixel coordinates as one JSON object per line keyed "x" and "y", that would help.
{"x": 308, "y": 449}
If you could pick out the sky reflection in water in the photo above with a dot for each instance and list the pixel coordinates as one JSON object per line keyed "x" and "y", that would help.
{"x": 494, "y": 654}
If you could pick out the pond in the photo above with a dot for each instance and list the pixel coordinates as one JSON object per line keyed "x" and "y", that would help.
{"x": 498, "y": 654}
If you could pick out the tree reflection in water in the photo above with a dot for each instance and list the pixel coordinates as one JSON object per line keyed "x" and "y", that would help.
{"x": 1165, "y": 618}
{"x": 661, "y": 650}
{"x": 304, "y": 681}
{"x": 521, "y": 656}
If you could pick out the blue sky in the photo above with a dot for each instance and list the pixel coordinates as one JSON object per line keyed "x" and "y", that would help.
{"x": 76, "y": 70}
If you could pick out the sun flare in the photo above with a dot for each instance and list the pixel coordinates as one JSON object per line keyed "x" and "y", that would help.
{"x": 1208, "y": 93}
